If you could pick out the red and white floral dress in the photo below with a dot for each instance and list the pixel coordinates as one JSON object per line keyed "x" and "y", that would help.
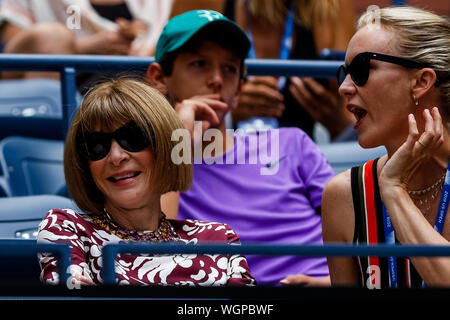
{"x": 87, "y": 234}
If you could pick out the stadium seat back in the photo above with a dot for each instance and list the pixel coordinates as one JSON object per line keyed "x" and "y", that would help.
{"x": 19, "y": 221}
{"x": 20, "y": 216}
{"x": 32, "y": 166}
{"x": 31, "y": 107}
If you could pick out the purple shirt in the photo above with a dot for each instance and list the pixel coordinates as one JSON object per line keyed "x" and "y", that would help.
{"x": 266, "y": 199}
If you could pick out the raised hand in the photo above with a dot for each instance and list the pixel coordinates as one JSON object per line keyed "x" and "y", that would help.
{"x": 417, "y": 147}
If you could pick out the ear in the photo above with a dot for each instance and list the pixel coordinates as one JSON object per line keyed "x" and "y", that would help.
{"x": 234, "y": 101}
{"x": 156, "y": 79}
{"x": 423, "y": 81}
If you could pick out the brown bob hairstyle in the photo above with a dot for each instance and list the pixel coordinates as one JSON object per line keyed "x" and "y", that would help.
{"x": 108, "y": 106}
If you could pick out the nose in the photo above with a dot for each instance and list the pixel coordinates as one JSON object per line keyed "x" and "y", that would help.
{"x": 117, "y": 154}
{"x": 215, "y": 79}
{"x": 347, "y": 88}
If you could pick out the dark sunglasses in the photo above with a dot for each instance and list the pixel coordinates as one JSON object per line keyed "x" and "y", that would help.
{"x": 359, "y": 68}
{"x": 96, "y": 144}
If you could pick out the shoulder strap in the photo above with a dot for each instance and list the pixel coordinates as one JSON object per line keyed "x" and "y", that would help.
{"x": 365, "y": 194}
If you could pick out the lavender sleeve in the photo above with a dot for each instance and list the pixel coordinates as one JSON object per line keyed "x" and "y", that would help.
{"x": 314, "y": 168}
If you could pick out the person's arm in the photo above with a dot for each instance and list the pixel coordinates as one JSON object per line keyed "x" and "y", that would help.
{"x": 336, "y": 33}
{"x": 9, "y": 31}
{"x": 103, "y": 42}
{"x": 338, "y": 224}
{"x": 410, "y": 225}
{"x": 315, "y": 172}
{"x": 305, "y": 281}
{"x": 238, "y": 272}
{"x": 61, "y": 226}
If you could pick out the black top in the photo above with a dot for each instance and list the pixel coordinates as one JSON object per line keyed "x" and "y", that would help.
{"x": 113, "y": 11}
{"x": 369, "y": 224}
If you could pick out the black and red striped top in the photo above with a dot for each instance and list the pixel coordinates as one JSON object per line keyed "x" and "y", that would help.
{"x": 369, "y": 229}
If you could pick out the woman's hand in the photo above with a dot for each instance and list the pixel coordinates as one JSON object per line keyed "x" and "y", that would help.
{"x": 417, "y": 147}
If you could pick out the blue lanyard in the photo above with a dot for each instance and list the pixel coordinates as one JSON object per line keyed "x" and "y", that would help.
{"x": 438, "y": 225}
{"x": 286, "y": 44}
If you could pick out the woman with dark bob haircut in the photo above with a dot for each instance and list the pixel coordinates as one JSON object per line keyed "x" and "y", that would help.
{"x": 117, "y": 163}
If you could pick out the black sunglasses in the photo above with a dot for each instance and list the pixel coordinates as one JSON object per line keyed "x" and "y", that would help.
{"x": 96, "y": 144}
{"x": 359, "y": 68}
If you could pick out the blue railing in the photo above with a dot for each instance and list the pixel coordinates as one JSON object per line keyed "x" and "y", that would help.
{"x": 69, "y": 65}
{"x": 29, "y": 248}
{"x": 11, "y": 249}
{"x": 383, "y": 250}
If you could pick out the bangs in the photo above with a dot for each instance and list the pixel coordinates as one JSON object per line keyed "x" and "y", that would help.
{"x": 108, "y": 109}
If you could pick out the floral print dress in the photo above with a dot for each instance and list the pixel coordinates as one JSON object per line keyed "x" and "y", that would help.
{"x": 87, "y": 234}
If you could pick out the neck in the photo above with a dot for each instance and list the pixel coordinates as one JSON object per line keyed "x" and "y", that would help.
{"x": 145, "y": 218}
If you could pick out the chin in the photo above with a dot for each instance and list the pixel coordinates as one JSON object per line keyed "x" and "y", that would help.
{"x": 367, "y": 142}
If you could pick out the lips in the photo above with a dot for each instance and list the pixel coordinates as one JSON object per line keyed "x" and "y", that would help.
{"x": 124, "y": 176}
{"x": 358, "y": 112}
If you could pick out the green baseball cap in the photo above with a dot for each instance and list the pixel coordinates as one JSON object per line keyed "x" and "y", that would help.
{"x": 180, "y": 29}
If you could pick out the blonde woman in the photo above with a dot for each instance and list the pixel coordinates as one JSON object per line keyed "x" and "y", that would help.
{"x": 117, "y": 163}
{"x": 396, "y": 82}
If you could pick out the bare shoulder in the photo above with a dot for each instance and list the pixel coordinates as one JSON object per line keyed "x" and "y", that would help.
{"x": 337, "y": 209}
{"x": 338, "y": 188}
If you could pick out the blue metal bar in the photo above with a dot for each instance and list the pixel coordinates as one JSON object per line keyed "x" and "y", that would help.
{"x": 102, "y": 63}
{"x": 68, "y": 94}
{"x": 20, "y": 248}
{"x": 81, "y": 63}
{"x": 305, "y": 68}
{"x": 110, "y": 252}
{"x": 69, "y": 65}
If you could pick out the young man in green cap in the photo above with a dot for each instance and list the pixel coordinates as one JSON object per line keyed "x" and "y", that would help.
{"x": 199, "y": 67}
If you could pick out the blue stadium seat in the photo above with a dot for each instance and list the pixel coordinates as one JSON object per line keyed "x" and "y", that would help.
{"x": 344, "y": 155}
{"x": 32, "y": 166}
{"x": 20, "y": 216}
{"x": 4, "y": 189}
{"x": 31, "y": 107}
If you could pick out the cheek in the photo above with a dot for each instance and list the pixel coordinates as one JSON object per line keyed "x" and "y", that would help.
{"x": 96, "y": 169}
{"x": 180, "y": 88}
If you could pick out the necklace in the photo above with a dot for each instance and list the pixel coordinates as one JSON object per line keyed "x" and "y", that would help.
{"x": 425, "y": 197}
{"x": 165, "y": 231}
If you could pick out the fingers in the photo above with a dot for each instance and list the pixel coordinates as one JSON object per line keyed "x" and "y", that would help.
{"x": 432, "y": 136}
{"x": 205, "y": 108}
{"x": 322, "y": 104}
{"x": 84, "y": 280}
{"x": 270, "y": 82}
{"x": 260, "y": 96}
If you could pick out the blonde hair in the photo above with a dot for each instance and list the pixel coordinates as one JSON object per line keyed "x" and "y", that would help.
{"x": 307, "y": 12}
{"x": 108, "y": 106}
{"x": 422, "y": 36}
